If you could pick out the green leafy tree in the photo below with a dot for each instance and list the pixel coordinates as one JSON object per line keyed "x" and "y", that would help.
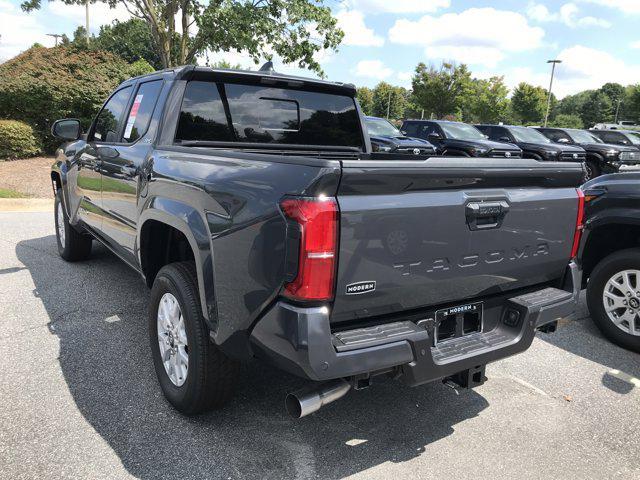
{"x": 443, "y": 91}
{"x": 487, "y": 102}
{"x": 389, "y": 98}
{"x": 365, "y": 98}
{"x": 529, "y": 103}
{"x": 597, "y": 108}
{"x": 184, "y": 29}
{"x": 563, "y": 120}
{"x": 43, "y": 84}
{"x": 131, "y": 40}
{"x": 632, "y": 110}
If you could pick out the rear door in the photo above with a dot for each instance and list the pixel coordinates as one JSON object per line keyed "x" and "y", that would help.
{"x": 445, "y": 231}
{"x": 121, "y": 166}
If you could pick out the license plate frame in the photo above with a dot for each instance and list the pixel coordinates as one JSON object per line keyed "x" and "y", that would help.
{"x": 458, "y": 321}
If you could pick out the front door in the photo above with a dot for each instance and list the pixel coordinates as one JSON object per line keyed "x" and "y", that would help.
{"x": 106, "y": 130}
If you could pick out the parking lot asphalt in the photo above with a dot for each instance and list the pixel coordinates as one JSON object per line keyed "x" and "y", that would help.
{"x": 79, "y": 397}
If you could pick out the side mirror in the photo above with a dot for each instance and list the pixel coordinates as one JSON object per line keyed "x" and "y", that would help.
{"x": 504, "y": 139}
{"x": 434, "y": 136}
{"x": 66, "y": 129}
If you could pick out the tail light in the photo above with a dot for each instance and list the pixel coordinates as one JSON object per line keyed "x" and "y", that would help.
{"x": 317, "y": 219}
{"x": 579, "y": 224}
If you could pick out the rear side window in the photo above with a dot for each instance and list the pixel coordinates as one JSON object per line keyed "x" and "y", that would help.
{"x": 141, "y": 110}
{"x": 411, "y": 129}
{"x": 258, "y": 114}
{"x": 109, "y": 119}
{"x": 556, "y": 135}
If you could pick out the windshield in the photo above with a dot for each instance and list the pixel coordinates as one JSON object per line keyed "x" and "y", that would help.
{"x": 381, "y": 127}
{"x": 634, "y": 137}
{"x": 528, "y": 135}
{"x": 580, "y": 136}
{"x": 461, "y": 131}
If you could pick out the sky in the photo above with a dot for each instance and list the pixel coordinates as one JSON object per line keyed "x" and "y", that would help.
{"x": 598, "y": 41}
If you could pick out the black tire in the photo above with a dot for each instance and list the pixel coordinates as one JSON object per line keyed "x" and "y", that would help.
{"x": 607, "y": 268}
{"x": 211, "y": 375}
{"x": 76, "y": 245}
{"x": 592, "y": 170}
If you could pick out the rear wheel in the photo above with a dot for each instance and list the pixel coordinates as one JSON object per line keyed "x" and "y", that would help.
{"x": 72, "y": 245}
{"x": 195, "y": 376}
{"x": 613, "y": 297}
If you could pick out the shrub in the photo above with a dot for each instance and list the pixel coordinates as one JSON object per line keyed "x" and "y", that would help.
{"x": 44, "y": 84}
{"x": 17, "y": 140}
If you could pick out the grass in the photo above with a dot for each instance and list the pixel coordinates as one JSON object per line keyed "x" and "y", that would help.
{"x": 6, "y": 193}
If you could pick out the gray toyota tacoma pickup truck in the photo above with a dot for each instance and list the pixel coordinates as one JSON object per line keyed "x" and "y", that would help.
{"x": 252, "y": 206}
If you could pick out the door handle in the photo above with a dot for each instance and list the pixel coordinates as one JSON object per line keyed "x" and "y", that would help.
{"x": 486, "y": 215}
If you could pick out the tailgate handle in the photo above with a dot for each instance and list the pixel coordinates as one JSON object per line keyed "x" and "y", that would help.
{"x": 486, "y": 215}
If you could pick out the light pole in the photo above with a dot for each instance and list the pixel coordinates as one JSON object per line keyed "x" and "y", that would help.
{"x": 86, "y": 3}
{"x": 618, "y": 109}
{"x": 553, "y": 69}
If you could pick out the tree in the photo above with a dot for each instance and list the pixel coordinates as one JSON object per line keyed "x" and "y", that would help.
{"x": 598, "y": 108}
{"x": 294, "y": 29}
{"x": 488, "y": 102}
{"x": 43, "y": 84}
{"x": 365, "y": 98}
{"x": 632, "y": 112}
{"x": 441, "y": 92}
{"x": 529, "y": 103}
{"x": 563, "y": 120}
{"x": 389, "y": 98}
{"x": 131, "y": 40}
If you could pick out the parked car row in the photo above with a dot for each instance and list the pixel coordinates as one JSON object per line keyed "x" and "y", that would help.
{"x": 600, "y": 151}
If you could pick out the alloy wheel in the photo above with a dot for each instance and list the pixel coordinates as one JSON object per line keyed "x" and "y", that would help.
{"x": 621, "y": 299}
{"x": 172, "y": 339}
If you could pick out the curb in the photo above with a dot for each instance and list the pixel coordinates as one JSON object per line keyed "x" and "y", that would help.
{"x": 26, "y": 204}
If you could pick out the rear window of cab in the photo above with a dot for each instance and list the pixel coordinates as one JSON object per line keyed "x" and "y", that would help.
{"x": 230, "y": 112}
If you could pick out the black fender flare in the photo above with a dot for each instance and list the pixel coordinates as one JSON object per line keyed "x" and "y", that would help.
{"x": 190, "y": 222}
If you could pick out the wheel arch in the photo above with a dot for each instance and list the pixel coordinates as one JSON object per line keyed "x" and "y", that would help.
{"x": 607, "y": 237}
{"x": 156, "y": 234}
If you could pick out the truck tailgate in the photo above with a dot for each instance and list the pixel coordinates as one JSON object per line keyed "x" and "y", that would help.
{"x": 443, "y": 231}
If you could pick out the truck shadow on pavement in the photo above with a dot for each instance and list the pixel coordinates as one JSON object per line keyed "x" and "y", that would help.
{"x": 98, "y": 311}
{"x": 581, "y": 337}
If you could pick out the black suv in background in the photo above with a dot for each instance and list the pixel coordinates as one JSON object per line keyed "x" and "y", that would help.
{"x": 618, "y": 137}
{"x": 533, "y": 143}
{"x": 458, "y": 139}
{"x": 601, "y": 157}
{"x": 387, "y": 138}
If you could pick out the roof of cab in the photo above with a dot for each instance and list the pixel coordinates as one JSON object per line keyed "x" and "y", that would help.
{"x": 265, "y": 75}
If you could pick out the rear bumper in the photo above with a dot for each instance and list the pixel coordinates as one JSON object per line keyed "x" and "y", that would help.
{"x": 300, "y": 341}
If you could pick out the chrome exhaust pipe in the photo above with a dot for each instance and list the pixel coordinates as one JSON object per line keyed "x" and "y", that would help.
{"x": 304, "y": 402}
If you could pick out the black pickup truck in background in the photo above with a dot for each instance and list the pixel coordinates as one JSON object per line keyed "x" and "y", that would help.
{"x": 601, "y": 157}
{"x": 610, "y": 256}
{"x": 533, "y": 143}
{"x": 456, "y": 139}
{"x": 628, "y": 138}
{"x": 251, "y": 204}
{"x": 388, "y": 139}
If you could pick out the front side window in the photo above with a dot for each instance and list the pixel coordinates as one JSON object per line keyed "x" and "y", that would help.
{"x": 109, "y": 121}
{"x": 141, "y": 110}
{"x": 217, "y": 112}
